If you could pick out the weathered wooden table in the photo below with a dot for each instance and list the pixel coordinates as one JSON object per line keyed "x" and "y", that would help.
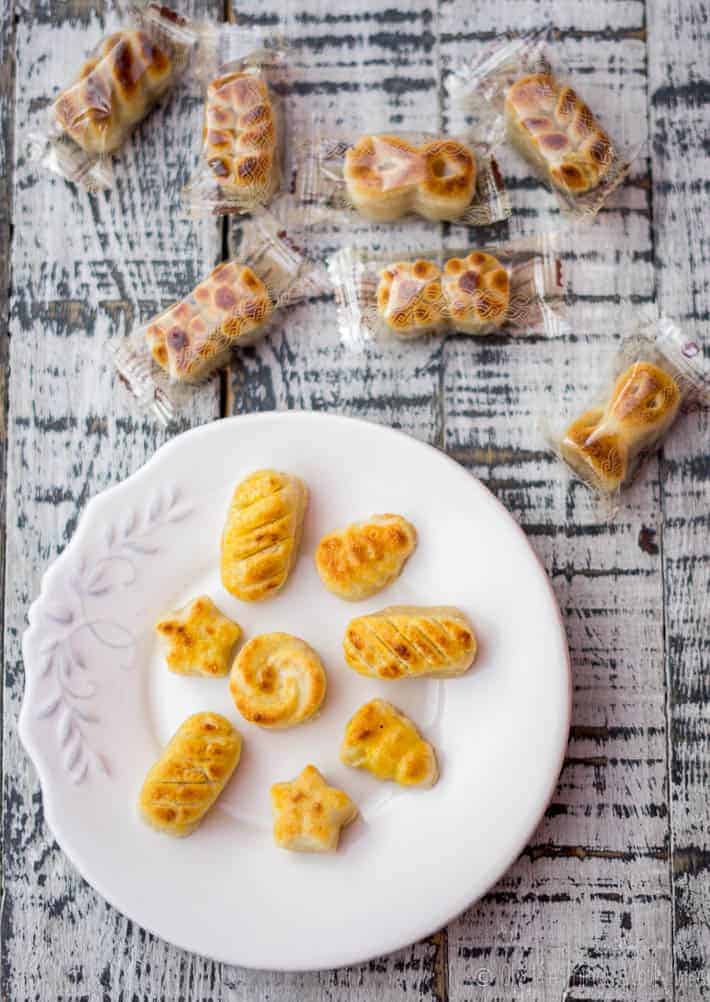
{"x": 611, "y": 900}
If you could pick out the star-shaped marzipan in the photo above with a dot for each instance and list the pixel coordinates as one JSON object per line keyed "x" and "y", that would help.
{"x": 199, "y": 640}
{"x": 308, "y": 814}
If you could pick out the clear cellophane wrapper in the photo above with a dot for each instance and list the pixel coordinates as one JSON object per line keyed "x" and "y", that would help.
{"x": 241, "y": 163}
{"x": 237, "y": 304}
{"x": 657, "y": 374}
{"x": 514, "y": 92}
{"x": 514, "y": 288}
{"x": 129, "y": 72}
{"x": 387, "y": 176}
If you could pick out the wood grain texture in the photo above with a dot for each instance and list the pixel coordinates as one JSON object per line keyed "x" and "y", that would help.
{"x": 610, "y": 899}
{"x": 679, "y": 102}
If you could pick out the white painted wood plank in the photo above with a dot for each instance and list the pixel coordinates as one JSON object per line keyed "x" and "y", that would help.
{"x": 356, "y": 71}
{"x": 360, "y": 71}
{"x": 579, "y": 947}
{"x": 609, "y": 812}
{"x": 575, "y": 914}
{"x": 679, "y": 92}
{"x": 606, "y": 19}
{"x": 83, "y": 271}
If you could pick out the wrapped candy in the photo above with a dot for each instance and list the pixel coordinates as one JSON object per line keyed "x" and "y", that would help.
{"x": 558, "y": 133}
{"x": 514, "y": 91}
{"x": 657, "y": 373}
{"x": 240, "y": 166}
{"x": 127, "y": 74}
{"x": 384, "y": 177}
{"x": 234, "y": 306}
{"x": 514, "y": 288}
{"x": 230, "y": 307}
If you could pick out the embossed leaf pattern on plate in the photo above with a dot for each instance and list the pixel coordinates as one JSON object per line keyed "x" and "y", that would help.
{"x": 63, "y": 617}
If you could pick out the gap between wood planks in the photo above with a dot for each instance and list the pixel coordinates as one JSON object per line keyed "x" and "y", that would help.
{"x": 226, "y": 397}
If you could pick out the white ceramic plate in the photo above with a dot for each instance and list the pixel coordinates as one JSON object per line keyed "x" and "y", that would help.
{"x": 99, "y": 703}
